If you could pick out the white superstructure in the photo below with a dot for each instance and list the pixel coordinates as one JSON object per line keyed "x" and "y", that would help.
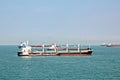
{"x": 24, "y": 49}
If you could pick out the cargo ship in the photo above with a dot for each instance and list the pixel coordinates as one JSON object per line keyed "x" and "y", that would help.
{"x": 111, "y": 45}
{"x": 52, "y": 50}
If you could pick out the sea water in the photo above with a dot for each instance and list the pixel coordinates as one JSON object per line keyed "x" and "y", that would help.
{"x": 103, "y": 64}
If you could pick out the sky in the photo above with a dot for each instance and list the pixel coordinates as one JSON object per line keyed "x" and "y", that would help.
{"x": 60, "y": 21}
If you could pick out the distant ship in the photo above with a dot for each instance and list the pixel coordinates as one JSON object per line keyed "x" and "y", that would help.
{"x": 103, "y": 44}
{"x": 52, "y": 50}
{"x": 111, "y": 45}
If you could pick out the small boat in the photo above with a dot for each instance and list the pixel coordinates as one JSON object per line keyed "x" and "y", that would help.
{"x": 52, "y": 50}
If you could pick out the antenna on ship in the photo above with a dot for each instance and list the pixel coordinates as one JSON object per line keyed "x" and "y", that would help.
{"x": 89, "y": 46}
{"x": 27, "y": 43}
{"x": 43, "y": 46}
{"x": 67, "y": 47}
{"x": 55, "y": 47}
{"x": 78, "y": 47}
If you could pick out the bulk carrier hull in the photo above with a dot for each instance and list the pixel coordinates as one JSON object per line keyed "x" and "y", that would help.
{"x": 88, "y": 53}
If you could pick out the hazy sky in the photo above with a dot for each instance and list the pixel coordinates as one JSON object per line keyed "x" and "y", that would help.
{"x": 41, "y": 21}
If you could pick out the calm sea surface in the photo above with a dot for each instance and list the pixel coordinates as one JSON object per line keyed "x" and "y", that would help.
{"x": 104, "y": 64}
